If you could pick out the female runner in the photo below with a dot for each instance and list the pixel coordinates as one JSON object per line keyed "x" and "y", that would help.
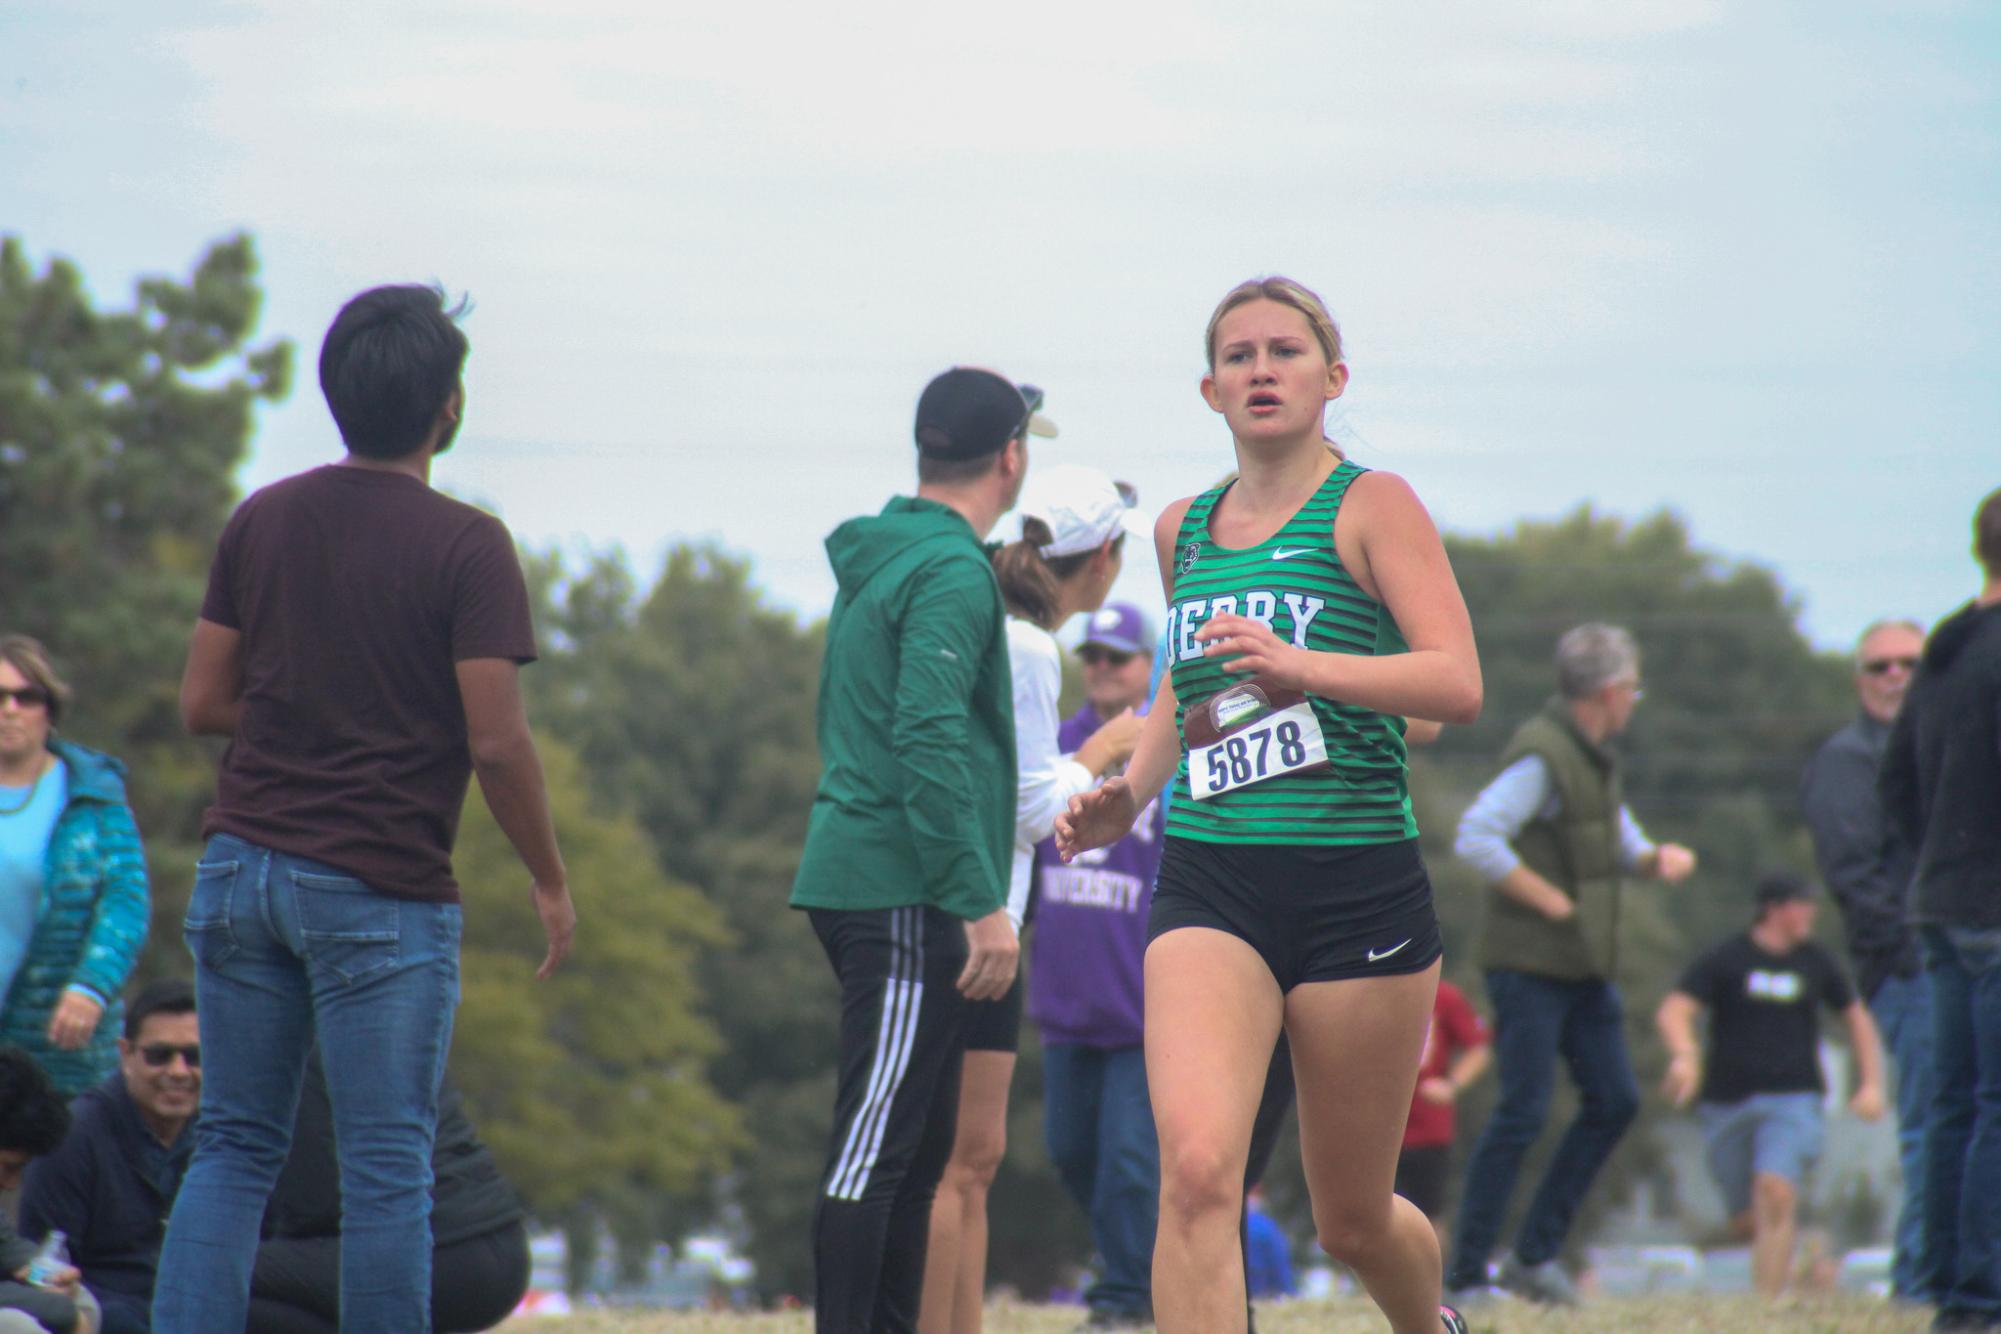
{"x": 1310, "y": 609}
{"x": 1074, "y": 524}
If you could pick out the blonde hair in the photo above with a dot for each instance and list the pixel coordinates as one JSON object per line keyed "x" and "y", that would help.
{"x": 1287, "y": 293}
{"x": 30, "y": 659}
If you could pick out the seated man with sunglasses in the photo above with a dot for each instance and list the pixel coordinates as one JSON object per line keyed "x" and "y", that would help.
{"x": 111, "y": 1184}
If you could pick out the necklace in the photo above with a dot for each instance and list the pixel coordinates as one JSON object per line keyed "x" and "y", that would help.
{"x": 33, "y": 787}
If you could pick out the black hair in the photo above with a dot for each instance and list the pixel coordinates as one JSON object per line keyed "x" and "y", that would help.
{"x": 33, "y": 1116}
{"x": 391, "y": 359}
{"x": 169, "y": 995}
{"x": 1778, "y": 887}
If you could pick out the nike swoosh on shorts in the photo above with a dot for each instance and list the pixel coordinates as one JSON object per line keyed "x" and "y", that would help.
{"x": 1377, "y": 957}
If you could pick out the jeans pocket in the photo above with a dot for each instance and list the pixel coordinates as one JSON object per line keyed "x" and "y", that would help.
{"x": 206, "y": 928}
{"x": 345, "y": 927}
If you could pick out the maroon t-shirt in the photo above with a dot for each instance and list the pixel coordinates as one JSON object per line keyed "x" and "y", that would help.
{"x": 356, "y": 591}
{"x": 1455, "y": 1026}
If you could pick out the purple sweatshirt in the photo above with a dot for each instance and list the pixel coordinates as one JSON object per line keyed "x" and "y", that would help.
{"x": 1090, "y": 928}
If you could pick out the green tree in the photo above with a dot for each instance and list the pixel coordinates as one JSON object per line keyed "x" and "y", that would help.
{"x": 692, "y": 709}
{"x": 119, "y": 433}
{"x": 595, "y": 1081}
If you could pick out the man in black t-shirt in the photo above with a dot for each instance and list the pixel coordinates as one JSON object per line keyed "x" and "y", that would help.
{"x": 1760, "y": 1098}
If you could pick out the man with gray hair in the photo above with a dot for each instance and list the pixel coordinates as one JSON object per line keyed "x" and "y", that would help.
{"x": 1554, "y": 839}
{"x": 1868, "y": 866}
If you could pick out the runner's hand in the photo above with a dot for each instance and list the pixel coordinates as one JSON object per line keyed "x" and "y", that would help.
{"x": 1097, "y": 818}
{"x": 992, "y": 950}
{"x": 1252, "y": 647}
{"x": 559, "y": 924}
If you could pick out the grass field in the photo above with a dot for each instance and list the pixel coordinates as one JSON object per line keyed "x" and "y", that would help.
{"x": 1641, "y": 1315}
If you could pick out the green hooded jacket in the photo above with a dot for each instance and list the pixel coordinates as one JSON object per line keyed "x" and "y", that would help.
{"x": 916, "y": 722}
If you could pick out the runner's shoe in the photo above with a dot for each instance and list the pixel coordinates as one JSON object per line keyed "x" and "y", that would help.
{"x": 1454, "y": 1322}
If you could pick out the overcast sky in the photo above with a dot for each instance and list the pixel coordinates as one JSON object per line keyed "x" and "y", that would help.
{"x": 1738, "y": 259}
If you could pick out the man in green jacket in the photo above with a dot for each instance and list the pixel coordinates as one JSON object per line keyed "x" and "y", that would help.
{"x": 1554, "y": 840}
{"x": 905, "y": 869}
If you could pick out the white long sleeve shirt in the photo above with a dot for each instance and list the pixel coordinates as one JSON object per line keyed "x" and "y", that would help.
{"x": 1047, "y": 778}
{"x": 1521, "y": 792}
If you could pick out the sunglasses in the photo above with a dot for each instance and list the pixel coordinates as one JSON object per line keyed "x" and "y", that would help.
{"x": 1882, "y": 666}
{"x": 25, "y": 697}
{"x": 1031, "y": 400}
{"x": 157, "y": 1054}
{"x": 1096, "y": 653}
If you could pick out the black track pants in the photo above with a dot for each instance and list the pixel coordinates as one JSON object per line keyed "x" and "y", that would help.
{"x": 895, "y": 1111}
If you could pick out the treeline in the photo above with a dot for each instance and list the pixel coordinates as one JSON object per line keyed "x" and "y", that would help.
{"x": 678, "y": 1072}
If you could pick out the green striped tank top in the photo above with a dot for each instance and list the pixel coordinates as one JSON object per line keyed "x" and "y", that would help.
{"x": 1294, "y": 582}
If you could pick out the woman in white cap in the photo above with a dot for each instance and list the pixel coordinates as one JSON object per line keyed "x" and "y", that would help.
{"x": 1311, "y": 608}
{"x": 1074, "y": 522}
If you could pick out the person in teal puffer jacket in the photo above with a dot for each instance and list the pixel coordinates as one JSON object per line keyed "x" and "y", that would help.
{"x": 74, "y": 904}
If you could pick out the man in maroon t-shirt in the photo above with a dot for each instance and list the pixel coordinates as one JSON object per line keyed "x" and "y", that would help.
{"x": 358, "y": 646}
{"x": 1457, "y": 1048}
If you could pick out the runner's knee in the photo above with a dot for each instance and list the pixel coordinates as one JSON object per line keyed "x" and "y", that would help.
{"x": 1200, "y": 1179}
{"x": 1351, "y": 1230}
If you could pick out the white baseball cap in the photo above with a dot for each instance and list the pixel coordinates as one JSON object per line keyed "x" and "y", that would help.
{"x": 1082, "y": 508}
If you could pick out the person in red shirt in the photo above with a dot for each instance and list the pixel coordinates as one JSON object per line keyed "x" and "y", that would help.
{"x": 1457, "y": 1049}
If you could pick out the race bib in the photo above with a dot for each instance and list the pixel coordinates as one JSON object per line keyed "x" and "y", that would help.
{"x": 1249, "y": 733}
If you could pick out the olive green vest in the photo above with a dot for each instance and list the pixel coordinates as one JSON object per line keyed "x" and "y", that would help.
{"x": 1577, "y": 851}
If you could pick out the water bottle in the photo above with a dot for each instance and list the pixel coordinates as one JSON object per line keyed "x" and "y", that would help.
{"x": 50, "y": 1260}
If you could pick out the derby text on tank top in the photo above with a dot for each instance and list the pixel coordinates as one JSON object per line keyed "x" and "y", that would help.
{"x": 1293, "y": 582}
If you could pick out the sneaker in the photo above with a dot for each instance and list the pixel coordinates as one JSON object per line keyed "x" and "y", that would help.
{"x": 1545, "y": 1282}
{"x": 1453, "y": 1321}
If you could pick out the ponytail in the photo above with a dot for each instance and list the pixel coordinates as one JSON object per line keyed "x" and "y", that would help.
{"x": 1029, "y": 581}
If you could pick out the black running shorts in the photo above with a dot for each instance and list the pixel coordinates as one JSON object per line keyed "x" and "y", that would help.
{"x": 1314, "y": 914}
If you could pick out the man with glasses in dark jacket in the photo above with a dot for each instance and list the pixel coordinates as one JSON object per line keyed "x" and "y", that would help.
{"x": 1868, "y": 865}
{"x": 110, "y": 1185}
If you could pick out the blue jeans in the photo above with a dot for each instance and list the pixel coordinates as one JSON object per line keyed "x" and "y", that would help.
{"x": 1902, "y": 1008}
{"x": 288, "y": 950}
{"x": 1535, "y": 1020}
{"x": 1963, "y": 1143}
{"x": 1099, "y": 1123}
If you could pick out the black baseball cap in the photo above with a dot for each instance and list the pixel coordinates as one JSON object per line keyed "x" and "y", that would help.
{"x": 967, "y": 413}
{"x": 1776, "y": 887}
